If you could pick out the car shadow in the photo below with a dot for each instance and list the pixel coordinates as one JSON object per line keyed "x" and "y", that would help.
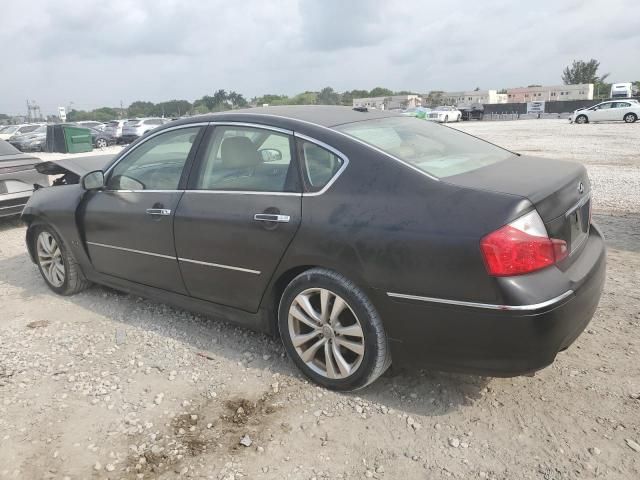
{"x": 410, "y": 391}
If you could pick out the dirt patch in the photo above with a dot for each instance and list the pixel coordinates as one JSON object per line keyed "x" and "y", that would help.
{"x": 38, "y": 324}
{"x": 200, "y": 430}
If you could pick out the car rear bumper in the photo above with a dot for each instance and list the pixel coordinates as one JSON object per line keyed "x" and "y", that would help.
{"x": 129, "y": 137}
{"x": 481, "y": 339}
{"x": 12, "y": 204}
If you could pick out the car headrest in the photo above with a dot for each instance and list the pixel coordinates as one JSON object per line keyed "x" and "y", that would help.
{"x": 239, "y": 152}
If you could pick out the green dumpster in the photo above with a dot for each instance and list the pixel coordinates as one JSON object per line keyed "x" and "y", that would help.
{"x": 76, "y": 139}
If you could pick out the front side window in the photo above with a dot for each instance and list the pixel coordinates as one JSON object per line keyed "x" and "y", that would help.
{"x": 437, "y": 150}
{"x": 156, "y": 164}
{"x": 319, "y": 165}
{"x": 247, "y": 159}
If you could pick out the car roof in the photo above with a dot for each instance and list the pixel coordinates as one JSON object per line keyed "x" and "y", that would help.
{"x": 323, "y": 115}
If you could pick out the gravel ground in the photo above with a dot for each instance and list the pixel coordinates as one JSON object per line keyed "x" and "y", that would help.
{"x": 108, "y": 385}
{"x": 610, "y": 151}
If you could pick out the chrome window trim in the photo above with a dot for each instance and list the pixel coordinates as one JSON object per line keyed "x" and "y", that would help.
{"x": 140, "y": 191}
{"x": 489, "y": 306}
{"x": 231, "y": 123}
{"x": 337, "y": 153}
{"x": 219, "y": 265}
{"x": 247, "y": 192}
{"x": 355, "y": 140}
{"x": 152, "y": 135}
{"x": 141, "y": 252}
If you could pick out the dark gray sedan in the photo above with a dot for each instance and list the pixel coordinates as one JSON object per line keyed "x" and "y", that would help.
{"x": 358, "y": 237}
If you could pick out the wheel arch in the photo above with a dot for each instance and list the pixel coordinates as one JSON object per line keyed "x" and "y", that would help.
{"x": 271, "y": 301}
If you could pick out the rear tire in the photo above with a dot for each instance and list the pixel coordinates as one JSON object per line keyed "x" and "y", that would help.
{"x": 582, "y": 119}
{"x": 320, "y": 312}
{"x": 56, "y": 263}
{"x": 101, "y": 143}
{"x": 630, "y": 118}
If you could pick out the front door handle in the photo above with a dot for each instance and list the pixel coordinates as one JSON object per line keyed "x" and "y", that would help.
{"x": 158, "y": 211}
{"x": 271, "y": 217}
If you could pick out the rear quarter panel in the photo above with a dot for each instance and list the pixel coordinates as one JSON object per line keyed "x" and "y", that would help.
{"x": 390, "y": 228}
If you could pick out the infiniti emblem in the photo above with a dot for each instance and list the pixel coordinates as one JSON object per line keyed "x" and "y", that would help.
{"x": 580, "y": 187}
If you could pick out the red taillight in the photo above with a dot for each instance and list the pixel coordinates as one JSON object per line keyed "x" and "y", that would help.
{"x": 521, "y": 247}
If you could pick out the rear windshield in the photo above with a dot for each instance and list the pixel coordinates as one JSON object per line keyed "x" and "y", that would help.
{"x": 435, "y": 149}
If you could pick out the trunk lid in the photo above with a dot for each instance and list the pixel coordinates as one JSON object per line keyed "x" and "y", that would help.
{"x": 560, "y": 191}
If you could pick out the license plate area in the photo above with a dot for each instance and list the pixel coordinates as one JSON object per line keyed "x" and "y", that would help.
{"x": 578, "y": 220}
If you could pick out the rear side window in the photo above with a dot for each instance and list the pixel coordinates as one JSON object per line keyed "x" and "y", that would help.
{"x": 319, "y": 165}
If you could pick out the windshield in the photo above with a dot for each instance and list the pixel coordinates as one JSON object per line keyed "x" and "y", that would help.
{"x": 12, "y": 129}
{"x": 435, "y": 149}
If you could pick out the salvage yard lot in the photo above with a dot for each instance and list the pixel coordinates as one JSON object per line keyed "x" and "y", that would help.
{"x": 108, "y": 385}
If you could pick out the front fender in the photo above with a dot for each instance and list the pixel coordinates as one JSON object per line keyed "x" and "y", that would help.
{"x": 57, "y": 207}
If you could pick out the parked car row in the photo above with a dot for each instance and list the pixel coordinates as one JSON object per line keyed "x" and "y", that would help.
{"x": 32, "y": 137}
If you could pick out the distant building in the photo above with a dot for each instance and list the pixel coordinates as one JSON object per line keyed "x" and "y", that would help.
{"x": 389, "y": 103}
{"x": 475, "y": 96}
{"x": 582, "y": 91}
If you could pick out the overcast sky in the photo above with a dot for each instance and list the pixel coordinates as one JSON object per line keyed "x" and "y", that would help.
{"x": 96, "y": 53}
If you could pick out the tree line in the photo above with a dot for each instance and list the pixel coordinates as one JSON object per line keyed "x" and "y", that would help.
{"x": 221, "y": 100}
{"x": 580, "y": 71}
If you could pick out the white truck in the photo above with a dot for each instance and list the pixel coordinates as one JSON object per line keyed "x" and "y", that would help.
{"x": 621, "y": 90}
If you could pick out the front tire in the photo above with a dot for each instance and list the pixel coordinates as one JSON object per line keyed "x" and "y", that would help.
{"x": 630, "y": 118}
{"x": 332, "y": 331}
{"x": 446, "y": 118}
{"x": 582, "y": 119}
{"x": 56, "y": 263}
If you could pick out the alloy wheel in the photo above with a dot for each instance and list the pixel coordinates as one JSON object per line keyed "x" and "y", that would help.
{"x": 101, "y": 143}
{"x": 581, "y": 119}
{"x": 50, "y": 259}
{"x": 629, "y": 118}
{"x": 326, "y": 333}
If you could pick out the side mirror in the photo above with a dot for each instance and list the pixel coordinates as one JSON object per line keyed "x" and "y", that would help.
{"x": 270, "y": 155}
{"x": 93, "y": 180}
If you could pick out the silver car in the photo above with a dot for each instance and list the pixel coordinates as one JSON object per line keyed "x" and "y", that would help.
{"x": 17, "y": 178}
{"x": 114, "y": 128}
{"x": 136, "y": 128}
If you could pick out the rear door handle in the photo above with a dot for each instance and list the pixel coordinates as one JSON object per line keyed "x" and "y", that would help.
{"x": 158, "y": 211}
{"x": 271, "y": 217}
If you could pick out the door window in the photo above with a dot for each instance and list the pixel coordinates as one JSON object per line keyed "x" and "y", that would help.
{"x": 319, "y": 165}
{"x": 247, "y": 159}
{"x": 156, "y": 164}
